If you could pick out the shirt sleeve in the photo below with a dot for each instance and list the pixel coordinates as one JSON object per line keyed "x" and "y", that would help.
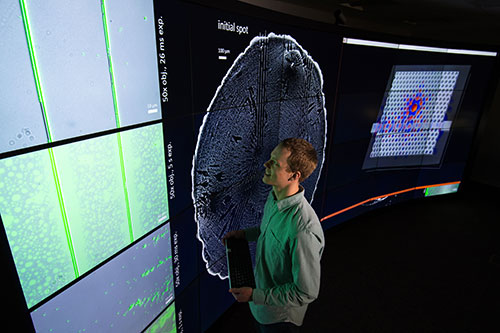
{"x": 252, "y": 234}
{"x": 306, "y": 254}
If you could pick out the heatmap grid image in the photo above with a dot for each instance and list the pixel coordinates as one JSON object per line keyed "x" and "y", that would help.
{"x": 417, "y": 114}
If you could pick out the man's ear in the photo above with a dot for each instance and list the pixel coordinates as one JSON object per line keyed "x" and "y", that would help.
{"x": 296, "y": 175}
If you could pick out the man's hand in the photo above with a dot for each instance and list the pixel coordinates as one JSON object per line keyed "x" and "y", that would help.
{"x": 233, "y": 234}
{"x": 243, "y": 294}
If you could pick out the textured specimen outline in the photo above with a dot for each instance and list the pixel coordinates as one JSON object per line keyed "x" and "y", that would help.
{"x": 272, "y": 91}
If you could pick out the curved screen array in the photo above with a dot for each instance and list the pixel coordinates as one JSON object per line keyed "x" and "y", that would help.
{"x": 133, "y": 137}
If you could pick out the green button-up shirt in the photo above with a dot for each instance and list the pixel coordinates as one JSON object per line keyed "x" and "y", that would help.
{"x": 290, "y": 243}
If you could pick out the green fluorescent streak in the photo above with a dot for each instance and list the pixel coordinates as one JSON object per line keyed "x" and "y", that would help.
{"x": 125, "y": 191}
{"x": 34, "y": 66}
{"x": 155, "y": 297}
{"x": 27, "y": 30}
{"x": 117, "y": 116}
{"x": 112, "y": 74}
{"x": 427, "y": 192}
{"x": 160, "y": 262}
{"x": 63, "y": 213}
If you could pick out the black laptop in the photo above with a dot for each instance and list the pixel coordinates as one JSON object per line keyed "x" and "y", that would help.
{"x": 239, "y": 263}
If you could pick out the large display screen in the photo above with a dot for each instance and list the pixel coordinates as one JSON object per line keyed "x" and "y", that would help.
{"x": 133, "y": 137}
{"x": 83, "y": 192}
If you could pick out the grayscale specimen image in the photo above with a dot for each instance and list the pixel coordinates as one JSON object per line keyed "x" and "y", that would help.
{"x": 272, "y": 91}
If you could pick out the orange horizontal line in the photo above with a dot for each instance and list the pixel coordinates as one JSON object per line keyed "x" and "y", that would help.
{"x": 385, "y": 195}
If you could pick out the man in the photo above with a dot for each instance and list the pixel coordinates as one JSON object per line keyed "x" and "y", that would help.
{"x": 290, "y": 242}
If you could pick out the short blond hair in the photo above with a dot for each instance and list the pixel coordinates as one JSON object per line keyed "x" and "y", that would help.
{"x": 303, "y": 157}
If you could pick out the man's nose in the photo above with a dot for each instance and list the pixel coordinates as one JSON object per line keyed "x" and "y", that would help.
{"x": 266, "y": 164}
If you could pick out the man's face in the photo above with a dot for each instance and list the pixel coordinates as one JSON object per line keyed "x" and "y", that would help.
{"x": 277, "y": 171}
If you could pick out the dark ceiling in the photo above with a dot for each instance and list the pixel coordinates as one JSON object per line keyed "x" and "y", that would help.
{"x": 470, "y": 21}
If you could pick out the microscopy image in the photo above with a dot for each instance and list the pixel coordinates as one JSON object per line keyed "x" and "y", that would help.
{"x": 124, "y": 295}
{"x": 144, "y": 166}
{"x": 69, "y": 50}
{"x": 165, "y": 322}
{"x": 272, "y": 91}
{"x": 31, "y": 216}
{"x": 132, "y": 48}
{"x": 114, "y": 191}
{"x": 90, "y": 177}
{"x": 22, "y": 120}
{"x": 75, "y": 68}
{"x": 67, "y": 209}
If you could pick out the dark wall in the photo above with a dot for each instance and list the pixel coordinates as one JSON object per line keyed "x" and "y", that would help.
{"x": 486, "y": 161}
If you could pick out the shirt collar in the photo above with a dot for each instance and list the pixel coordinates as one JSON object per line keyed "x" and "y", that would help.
{"x": 289, "y": 201}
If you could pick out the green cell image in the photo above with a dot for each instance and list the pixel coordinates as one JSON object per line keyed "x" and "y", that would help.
{"x": 67, "y": 209}
{"x": 33, "y": 220}
{"x": 165, "y": 323}
{"x": 144, "y": 162}
{"x": 96, "y": 207}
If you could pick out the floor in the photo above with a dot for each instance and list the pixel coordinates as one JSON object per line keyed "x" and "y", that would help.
{"x": 430, "y": 265}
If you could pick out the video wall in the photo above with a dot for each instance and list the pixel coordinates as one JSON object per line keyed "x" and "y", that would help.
{"x": 133, "y": 137}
